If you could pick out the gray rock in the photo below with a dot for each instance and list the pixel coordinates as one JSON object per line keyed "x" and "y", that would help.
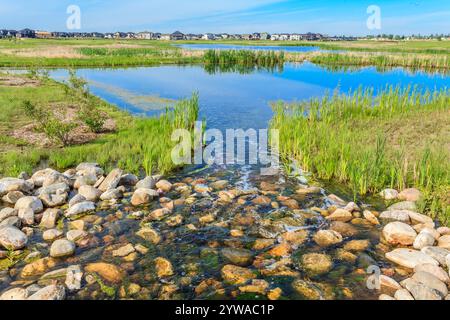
{"x": 146, "y": 183}
{"x": 7, "y": 212}
{"x": 89, "y": 192}
{"x": 325, "y": 238}
{"x": 33, "y": 203}
{"x": 89, "y": 168}
{"x": 111, "y": 194}
{"x": 57, "y": 188}
{"x": 417, "y": 218}
{"x": 52, "y": 234}
{"x": 75, "y": 235}
{"x": 49, "y": 218}
{"x": 431, "y": 281}
{"x": 143, "y": 196}
{"x": 14, "y": 184}
{"x": 26, "y": 216}
{"x": 437, "y": 271}
{"x": 436, "y": 253}
{"x": 80, "y": 208}
{"x": 11, "y": 222}
{"x": 39, "y": 177}
{"x": 404, "y": 205}
{"x": 423, "y": 239}
{"x": 12, "y": 197}
{"x": 76, "y": 199}
{"x": 89, "y": 180}
{"x": 111, "y": 181}
{"x": 128, "y": 180}
{"x": 396, "y": 215}
{"x": 240, "y": 257}
{"x": 389, "y": 194}
{"x": 62, "y": 248}
{"x": 12, "y": 238}
{"x": 420, "y": 291}
{"x": 51, "y": 292}
{"x": 53, "y": 200}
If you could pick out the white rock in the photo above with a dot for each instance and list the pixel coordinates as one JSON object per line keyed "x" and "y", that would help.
{"x": 399, "y": 233}
{"x": 62, "y": 248}
{"x": 13, "y": 221}
{"x": 89, "y": 192}
{"x": 7, "y": 212}
{"x": 410, "y": 258}
{"x": 51, "y": 292}
{"x": 385, "y": 297}
{"x": 420, "y": 291}
{"x": 52, "y": 234}
{"x": 76, "y": 199}
{"x": 33, "y": 203}
{"x": 15, "y": 294}
{"x": 75, "y": 235}
{"x": 436, "y": 253}
{"x": 49, "y": 218}
{"x": 39, "y": 177}
{"x": 431, "y": 282}
{"x": 146, "y": 183}
{"x": 396, "y": 215}
{"x": 89, "y": 180}
{"x": 89, "y": 168}
{"x": 111, "y": 194}
{"x": 73, "y": 278}
{"x": 443, "y": 231}
{"x": 417, "y": 218}
{"x": 403, "y": 205}
{"x": 369, "y": 216}
{"x": 14, "y": 184}
{"x": 437, "y": 271}
{"x": 12, "y": 238}
{"x": 143, "y": 196}
{"x": 80, "y": 208}
{"x": 26, "y": 216}
{"x": 403, "y": 294}
{"x": 423, "y": 239}
{"x": 111, "y": 181}
{"x": 389, "y": 194}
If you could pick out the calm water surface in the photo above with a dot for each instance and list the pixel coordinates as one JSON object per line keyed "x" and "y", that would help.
{"x": 232, "y": 100}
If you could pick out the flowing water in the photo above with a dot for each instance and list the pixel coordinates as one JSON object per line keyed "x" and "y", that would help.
{"x": 231, "y": 214}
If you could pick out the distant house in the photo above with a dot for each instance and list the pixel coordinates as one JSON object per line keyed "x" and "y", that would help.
{"x": 43, "y": 34}
{"x": 26, "y": 33}
{"x": 177, "y": 35}
{"x": 284, "y": 37}
{"x": 208, "y": 36}
{"x": 8, "y": 33}
{"x": 145, "y": 35}
{"x": 97, "y": 35}
{"x": 225, "y": 36}
{"x": 256, "y": 36}
{"x": 130, "y": 35}
{"x": 264, "y": 36}
{"x": 275, "y": 37}
{"x": 295, "y": 37}
{"x": 120, "y": 35}
{"x": 109, "y": 35}
{"x": 247, "y": 37}
{"x": 192, "y": 36}
{"x": 165, "y": 37}
{"x": 57, "y": 34}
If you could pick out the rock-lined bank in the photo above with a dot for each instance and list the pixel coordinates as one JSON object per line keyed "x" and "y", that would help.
{"x": 85, "y": 234}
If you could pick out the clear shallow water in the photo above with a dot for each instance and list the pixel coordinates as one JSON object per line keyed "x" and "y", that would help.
{"x": 232, "y": 100}
{"x": 247, "y": 47}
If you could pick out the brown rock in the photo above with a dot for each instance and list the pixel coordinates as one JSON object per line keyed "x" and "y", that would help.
{"x": 236, "y": 275}
{"x": 107, "y": 271}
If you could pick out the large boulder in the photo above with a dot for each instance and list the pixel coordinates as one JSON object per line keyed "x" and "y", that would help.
{"x": 51, "y": 292}
{"x": 14, "y": 184}
{"x": 431, "y": 281}
{"x": 111, "y": 181}
{"x": 420, "y": 291}
{"x": 399, "y": 233}
{"x": 437, "y": 271}
{"x": 12, "y": 238}
{"x": 33, "y": 203}
{"x": 437, "y": 253}
{"x": 80, "y": 208}
{"x": 410, "y": 258}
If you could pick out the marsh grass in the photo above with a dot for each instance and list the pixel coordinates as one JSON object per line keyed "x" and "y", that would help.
{"x": 394, "y": 138}
{"x": 242, "y": 61}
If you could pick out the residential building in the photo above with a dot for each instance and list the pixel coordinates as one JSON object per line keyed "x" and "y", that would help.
{"x": 120, "y": 35}
{"x": 208, "y": 36}
{"x": 26, "y": 33}
{"x": 42, "y": 34}
{"x": 177, "y": 35}
{"x": 265, "y": 36}
{"x": 145, "y": 35}
{"x": 165, "y": 37}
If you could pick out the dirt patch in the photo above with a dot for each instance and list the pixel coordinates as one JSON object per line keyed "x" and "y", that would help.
{"x": 14, "y": 81}
{"x": 81, "y": 134}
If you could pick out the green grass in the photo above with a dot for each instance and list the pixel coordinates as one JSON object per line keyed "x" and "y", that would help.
{"x": 140, "y": 144}
{"x": 242, "y": 60}
{"x": 397, "y": 138}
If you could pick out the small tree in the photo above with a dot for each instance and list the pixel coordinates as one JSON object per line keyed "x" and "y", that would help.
{"x": 92, "y": 117}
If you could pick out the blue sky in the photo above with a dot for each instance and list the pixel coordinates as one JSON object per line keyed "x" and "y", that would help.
{"x": 333, "y": 17}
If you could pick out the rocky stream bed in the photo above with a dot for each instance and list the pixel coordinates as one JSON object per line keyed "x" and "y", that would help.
{"x": 216, "y": 234}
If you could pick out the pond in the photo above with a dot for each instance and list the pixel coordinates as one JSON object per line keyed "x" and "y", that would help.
{"x": 235, "y": 100}
{"x": 228, "y": 223}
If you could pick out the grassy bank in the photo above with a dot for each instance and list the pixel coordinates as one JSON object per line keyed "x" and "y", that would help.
{"x": 397, "y": 138}
{"x": 136, "y": 144}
